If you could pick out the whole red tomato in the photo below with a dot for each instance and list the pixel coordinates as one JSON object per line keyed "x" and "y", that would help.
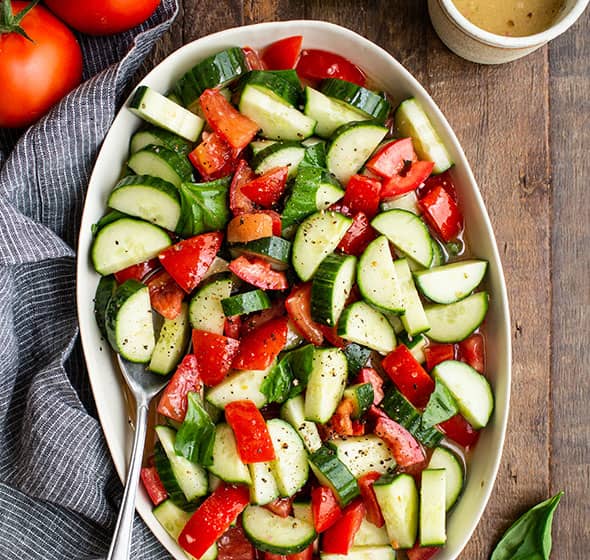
{"x": 36, "y": 73}
{"x": 103, "y": 17}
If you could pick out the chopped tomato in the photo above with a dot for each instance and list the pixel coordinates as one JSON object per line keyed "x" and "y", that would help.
{"x": 188, "y": 261}
{"x": 442, "y": 180}
{"x": 406, "y": 450}
{"x": 460, "y": 431}
{"x": 339, "y": 537}
{"x": 283, "y": 54}
{"x": 298, "y": 306}
{"x": 409, "y": 376}
{"x": 358, "y": 236}
{"x": 213, "y": 157}
{"x": 153, "y": 485}
{"x": 239, "y": 203}
{"x": 215, "y": 354}
{"x": 442, "y": 213}
{"x": 331, "y": 335}
{"x": 165, "y": 295}
{"x": 258, "y": 272}
{"x": 341, "y": 422}
{"x": 236, "y": 129}
{"x": 234, "y": 545}
{"x": 253, "y": 59}
{"x": 213, "y": 518}
{"x": 259, "y": 348}
{"x": 324, "y": 508}
{"x": 408, "y": 179}
{"x": 374, "y": 514}
{"x": 136, "y": 271}
{"x": 358, "y": 428}
{"x": 254, "y": 320}
{"x": 472, "y": 352}
{"x": 281, "y": 506}
{"x": 362, "y": 195}
{"x": 317, "y": 64}
{"x": 369, "y": 375}
{"x": 422, "y": 553}
{"x": 249, "y": 428}
{"x": 392, "y": 158}
{"x": 186, "y": 379}
{"x": 267, "y": 189}
{"x": 437, "y": 353}
{"x": 248, "y": 227}
{"x": 232, "y": 326}
{"x": 277, "y": 224}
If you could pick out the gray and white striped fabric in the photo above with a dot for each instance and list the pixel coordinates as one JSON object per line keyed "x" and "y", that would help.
{"x": 59, "y": 493}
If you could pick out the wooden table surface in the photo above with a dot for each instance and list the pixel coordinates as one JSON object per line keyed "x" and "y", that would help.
{"x": 525, "y": 127}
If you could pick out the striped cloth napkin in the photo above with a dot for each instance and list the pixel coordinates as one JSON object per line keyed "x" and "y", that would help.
{"x": 59, "y": 494}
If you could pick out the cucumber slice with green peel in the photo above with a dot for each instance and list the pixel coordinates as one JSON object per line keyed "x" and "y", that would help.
{"x": 279, "y": 535}
{"x": 398, "y": 499}
{"x": 377, "y": 277}
{"x": 258, "y": 145}
{"x": 415, "y": 344}
{"x": 361, "y": 395}
{"x": 157, "y": 161}
{"x": 302, "y": 510}
{"x": 407, "y": 232}
{"x": 471, "y": 390}
{"x": 363, "y": 553}
{"x": 171, "y": 344}
{"x": 370, "y": 535}
{"x": 317, "y": 237}
{"x": 443, "y": 458}
{"x": 272, "y": 82}
{"x": 129, "y": 322}
{"x": 433, "y": 530}
{"x": 166, "y": 474}
{"x": 394, "y": 320}
{"x": 277, "y": 119}
{"x": 414, "y": 320}
{"x": 364, "y": 325}
{"x": 159, "y": 137}
{"x": 274, "y": 249}
{"x": 356, "y": 356}
{"x": 205, "y": 308}
{"x": 126, "y": 242}
{"x": 362, "y": 99}
{"x": 333, "y": 473}
{"x": 456, "y": 321}
{"x": 438, "y": 257}
{"x": 329, "y": 113}
{"x": 227, "y": 464}
{"x": 278, "y": 154}
{"x": 326, "y": 195}
{"x": 364, "y": 454}
{"x": 104, "y": 292}
{"x": 290, "y": 467}
{"x": 149, "y": 198}
{"x": 110, "y": 217}
{"x": 246, "y": 302}
{"x": 331, "y": 287}
{"x": 239, "y": 385}
{"x": 264, "y": 488}
{"x": 214, "y": 71}
{"x": 293, "y": 411}
{"x": 351, "y": 146}
{"x": 452, "y": 282}
{"x": 411, "y": 120}
{"x": 326, "y": 383}
{"x": 158, "y": 110}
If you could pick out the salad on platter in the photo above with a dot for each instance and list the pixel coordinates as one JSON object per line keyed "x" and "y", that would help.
{"x": 286, "y": 244}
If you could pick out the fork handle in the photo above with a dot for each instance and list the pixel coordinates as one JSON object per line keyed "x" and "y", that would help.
{"x": 121, "y": 542}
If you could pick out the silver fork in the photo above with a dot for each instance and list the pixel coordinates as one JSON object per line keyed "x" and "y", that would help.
{"x": 144, "y": 386}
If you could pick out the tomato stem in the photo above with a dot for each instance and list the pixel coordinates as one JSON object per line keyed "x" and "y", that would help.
{"x": 10, "y": 23}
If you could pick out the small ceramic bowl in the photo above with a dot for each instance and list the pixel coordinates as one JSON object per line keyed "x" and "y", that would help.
{"x": 477, "y": 45}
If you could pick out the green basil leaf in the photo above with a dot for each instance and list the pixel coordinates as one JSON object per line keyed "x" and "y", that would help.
{"x": 196, "y": 435}
{"x": 315, "y": 155}
{"x": 441, "y": 406}
{"x": 529, "y": 538}
{"x": 278, "y": 382}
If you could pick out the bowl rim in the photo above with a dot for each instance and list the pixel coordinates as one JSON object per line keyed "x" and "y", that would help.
{"x": 504, "y": 42}
{"x": 87, "y": 323}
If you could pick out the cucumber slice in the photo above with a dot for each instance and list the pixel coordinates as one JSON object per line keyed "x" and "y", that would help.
{"x": 290, "y": 467}
{"x": 356, "y": 356}
{"x": 126, "y": 242}
{"x": 363, "y": 553}
{"x": 148, "y": 198}
{"x": 415, "y": 344}
{"x": 362, "y": 99}
{"x": 240, "y": 385}
{"x": 407, "y": 232}
{"x": 351, "y": 146}
{"x": 471, "y": 391}
{"x": 302, "y": 510}
{"x": 361, "y": 395}
{"x": 274, "y": 249}
{"x": 159, "y": 137}
{"x": 327, "y": 194}
{"x": 163, "y": 163}
{"x": 443, "y": 458}
{"x": 278, "y": 154}
{"x": 316, "y": 238}
{"x": 377, "y": 277}
{"x": 364, "y": 325}
{"x": 326, "y": 384}
{"x": 205, "y": 310}
{"x": 277, "y": 119}
{"x": 157, "y": 109}
{"x": 172, "y": 342}
{"x": 293, "y": 411}
{"x": 414, "y": 320}
{"x": 370, "y": 535}
{"x": 104, "y": 291}
{"x": 411, "y": 120}
{"x": 438, "y": 257}
{"x": 275, "y": 534}
{"x": 433, "y": 530}
{"x": 129, "y": 322}
{"x": 398, "y": 499}
{"x": 227, "y": 464}
{"x": 247, "y": 302}
{"x": 331, "y": 287}
{"x": 258, "y": 145}
{"x": 363, "y": 454}
{"x": 456, "y": 321}
{"x": 333, "y": 473}
{"x": 264, "y": 488}
{"x": 408, "y": 201}
{"x": 451, "y": 282}
{"x": 330, "y": 114}
{"x": 274, "y": 83}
